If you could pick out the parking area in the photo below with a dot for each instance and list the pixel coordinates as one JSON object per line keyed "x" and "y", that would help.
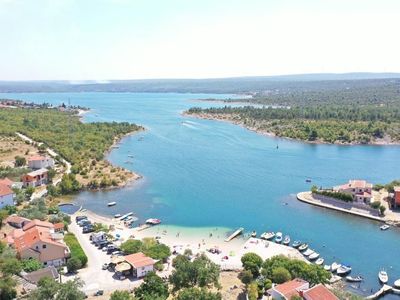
{"x": 93, "y": 275}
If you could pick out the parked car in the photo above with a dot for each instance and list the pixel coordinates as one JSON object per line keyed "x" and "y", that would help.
{"x": 103, "y": 244}
{"x": 105, "y": 266}
{"x": 87, "y": 229}
{"x": 99, "y": 293}
{"x": 84, "y": 223}
{"x": 80, "y": 218}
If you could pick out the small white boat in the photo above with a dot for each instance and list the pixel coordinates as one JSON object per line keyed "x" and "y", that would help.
{"x": 384, "y": 227}
{"x": 303, "y": 247}
{"x": 343, "y": 270}
{"x": 278, "y": 237}
{"x": 327, "y": 267}
{"x": 308, "y": 252}
{"x": 319, "y": 261}
{"x": 383, "y": 276}
{"x": 396, "y": 284}
{"x": 254, "y": 234}
{"x": 268, "y": 235}
{"x": 111, "y": 203}
{"x": 296, "y": 244}
{"x": 354, "y": 279}
{"x": 313, "y": 256}
{"x": 335, "y": 266}
{"x": 153, "y": 221}
{"x": 286, "y": 240}
{"x": 117, "y": 215}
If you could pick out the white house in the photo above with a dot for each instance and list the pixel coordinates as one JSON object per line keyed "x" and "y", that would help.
{"x": 39, "y": 162}
{"x": 141, "y": 264}
{"x": 6, "y": 196}
{"x": 98, "y": 237}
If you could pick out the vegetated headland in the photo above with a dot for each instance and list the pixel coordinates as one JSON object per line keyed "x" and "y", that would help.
{"x": 339, "y": 112}
{"x": 84, "y": 145}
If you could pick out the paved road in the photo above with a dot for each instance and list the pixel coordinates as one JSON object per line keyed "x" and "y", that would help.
{"x": 94, "y": 277}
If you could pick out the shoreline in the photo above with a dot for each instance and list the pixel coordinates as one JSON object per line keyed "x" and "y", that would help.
{"x": 226, "y": 118}
{"x": 306, "y": 197}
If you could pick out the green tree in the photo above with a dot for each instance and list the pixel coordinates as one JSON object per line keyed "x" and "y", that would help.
{"x": 201, "y": 273}
{"x": 30, "y": 265}
{"x": 121, "y": 295}
{"x": 296, "y": 297}
{"x": 246, "y": 276}
{"x": 73, "y": 264}
{"x": 252, "y": 291}
{"x": 252, "y": 262}
{"x": 47, "y": 289}
{"x": 198, "y": 294}
{"x": 20, "y": 161}
{"x": 280, "y": 275}
{"x": 70, "y": 290}
{"x": 131, "y": 246}
{"x": 29, "y": 191}
{"x": 158, "y": 251}
{"x": 50, "y": 174}
{"x": 7, "y": 288}
{"x": 10, "y": 266}
{"x": 153, "y": 287}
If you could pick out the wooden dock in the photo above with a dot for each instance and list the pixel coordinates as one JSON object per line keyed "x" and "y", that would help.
{"x": 235, "y": 234}
{"x": 384, "y": 289}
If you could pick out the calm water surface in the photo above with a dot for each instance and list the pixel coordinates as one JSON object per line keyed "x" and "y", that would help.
{"x": 207, "y": 173}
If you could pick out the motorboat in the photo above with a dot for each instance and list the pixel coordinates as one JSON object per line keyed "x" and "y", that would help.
{"x": 384, "y": 227}
{"x": 327, "y": 267}
{"x": 153, "y": 221}
{"x": 254, "y": 234}
{"x": 296, "y": 244}
{"x": 268, "y": 235}
{"x": 117, "y": 215}
{"x": 343, "y": 270}
{"x": 303, "y": 247}
{"x": 313, "y": 256}
{"x": 354, "y": 279}
{"x": 286, "y": 240}
{"x": 308, "y": 252}
{"x": 111, "y": 203}
{"x": 308, "y": 180}
{"x": 335, "y": 266}
{"x": 396, "y": 284}
{"x": 383, "y": 276}
{"x": 319, "y": 261}
{"x": 278, "y": 237}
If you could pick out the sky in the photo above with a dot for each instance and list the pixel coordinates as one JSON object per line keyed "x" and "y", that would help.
{"x": 121, "y": 39}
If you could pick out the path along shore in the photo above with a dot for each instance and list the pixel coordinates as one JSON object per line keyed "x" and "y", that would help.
{"x": 307, "y": 197}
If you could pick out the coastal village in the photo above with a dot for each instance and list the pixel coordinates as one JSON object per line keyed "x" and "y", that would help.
{"x": 96, "y": 249}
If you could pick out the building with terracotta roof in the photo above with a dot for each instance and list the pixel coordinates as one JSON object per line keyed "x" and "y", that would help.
{"x": 35, "y": 178}
{"x": 396, "y": 196}
{"x": 318, "y": 292}
{"x": 361, "y": 190}
{"x": 6, "y": 196}
{"x": 289, "y": 289}
{"x": 39, "y": 162}
{"x": 35, "y": 276}
{"x": 6, "y": 181}
{"x": 17, "y": 221}
{"x": 37, "y": 240}
{"x": 141, "y": 264}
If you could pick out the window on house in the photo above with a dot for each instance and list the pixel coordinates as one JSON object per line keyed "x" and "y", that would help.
{"x": 44, "y": 246}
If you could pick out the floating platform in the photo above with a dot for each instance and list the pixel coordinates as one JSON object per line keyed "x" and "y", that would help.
{"x": 235, "y": 234}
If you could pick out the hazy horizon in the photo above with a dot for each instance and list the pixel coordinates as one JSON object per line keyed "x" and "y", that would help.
{"x": 72, "y": 40}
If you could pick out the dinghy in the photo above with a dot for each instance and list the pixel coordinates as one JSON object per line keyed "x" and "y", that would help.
{"x": 267, "y": 235}
{"x": 319, "y": 261}
{"x": 397, "y": 284}
{"x": 354, "y": 279}
{"x": 278, "y": 237}
{"x": 327, "y": 267}
{"x": 383, "y": 276}
{"x": 303, "y": 247}
{"x": 343, "y": 270}
{"x": 313, "y": 256}
{"x": 335, "y": 266}
{"x": 308, "y": 252}
{"x": 296, "y": 244}
{"x": 286, "y": 240}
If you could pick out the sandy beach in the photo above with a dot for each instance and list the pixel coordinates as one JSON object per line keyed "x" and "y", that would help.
{"x": 198, "y": 240}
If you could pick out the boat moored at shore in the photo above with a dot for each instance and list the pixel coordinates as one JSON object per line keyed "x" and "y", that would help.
{"x": 278, "y": 237}
{"x": 383, "y": 276}
{"x": 343, "y": 270}
{"x": 286, "y": 240}
{"x": 296, "y": 244}
{"x": 268, "y": 235}
{"x": 303, "y": 247}
{"x": 319, "y": 261}
{"x": 335, "y": 266}
{"x": 111, "y": 203}
{"x": 354, "y": 279}
{"x": 153, "y": 221}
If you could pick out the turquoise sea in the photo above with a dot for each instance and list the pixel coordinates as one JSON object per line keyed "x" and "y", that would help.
{"x": 201, "y": 173}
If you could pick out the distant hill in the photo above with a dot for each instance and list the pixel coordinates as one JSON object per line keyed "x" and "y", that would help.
{"x": 216, "y": 85}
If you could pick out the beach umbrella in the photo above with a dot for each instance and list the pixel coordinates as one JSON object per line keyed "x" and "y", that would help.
{"x": 117, "y": 259}
{"x": 122, "y": 267}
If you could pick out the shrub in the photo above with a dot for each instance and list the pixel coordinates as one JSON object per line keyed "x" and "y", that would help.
{"x": 73, "y": 264}
{"x": 252, "y": 262}
{"x": 375, "y": 204}
{"x": 76, "y": 249}
{"x": 281, "y": 275}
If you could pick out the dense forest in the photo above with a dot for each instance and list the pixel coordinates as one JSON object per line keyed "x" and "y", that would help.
{"x": 339, "y": 111}
{"x": 64, "y": 132}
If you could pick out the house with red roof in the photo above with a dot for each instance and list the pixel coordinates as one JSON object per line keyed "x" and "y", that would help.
{"x": 289, "y": 289}
{"x": 38, "y": 240}
{"x": 361, "y": 190}
{"x": 6, "y": 181}
{"x": 6, "y": 196}
{"x": 301, "y": 288}
{"x": 141, "y": 264}
{"x": 17, "y": 221}
{"x": 40, "y": 162}
{"x": 35, "y": 178}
